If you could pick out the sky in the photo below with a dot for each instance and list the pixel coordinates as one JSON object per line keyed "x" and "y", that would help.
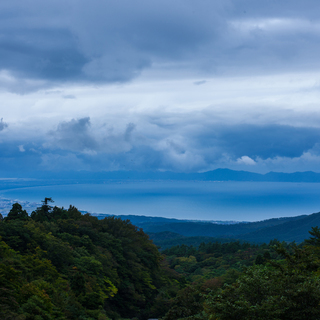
{"x": 184, "y": 86}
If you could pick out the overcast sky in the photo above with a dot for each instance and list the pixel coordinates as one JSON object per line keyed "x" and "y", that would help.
{"x": 180, "y": 85}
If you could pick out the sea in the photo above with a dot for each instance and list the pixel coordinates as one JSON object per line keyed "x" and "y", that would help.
{"x": 193, "y": 200}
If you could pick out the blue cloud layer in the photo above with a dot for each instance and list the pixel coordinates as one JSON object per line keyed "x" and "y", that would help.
{"x": 267, "y": 141}
{"x": 80, "y": 145}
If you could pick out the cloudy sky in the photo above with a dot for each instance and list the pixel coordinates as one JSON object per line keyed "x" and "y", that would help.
{"x": 183, "y": 85}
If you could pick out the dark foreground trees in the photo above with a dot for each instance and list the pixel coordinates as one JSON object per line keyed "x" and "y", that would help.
{"x": 263, "y": 292}
{"x": 60, "y": 264}
{"x": 285, "y": 289}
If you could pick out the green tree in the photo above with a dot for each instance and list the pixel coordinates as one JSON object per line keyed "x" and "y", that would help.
{"x": 43, "y": 213}
{"x": 17, "y": 213}
{"x": 286, "y": 289}
{"x": 315, "y": 237}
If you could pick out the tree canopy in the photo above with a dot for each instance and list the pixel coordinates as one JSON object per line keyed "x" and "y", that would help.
{"x": 60, "y": 264}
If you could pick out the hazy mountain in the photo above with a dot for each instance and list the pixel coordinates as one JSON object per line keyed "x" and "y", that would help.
{"x": 294, "y": 230}
{"x": 215, "y": 175}
{"x": 193, "y": 229}
{"x": 165, "y": 232}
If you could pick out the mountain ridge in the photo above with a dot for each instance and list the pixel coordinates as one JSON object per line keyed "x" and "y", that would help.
{"x": 220, "y": 174}
{"x": 164, "y": 230}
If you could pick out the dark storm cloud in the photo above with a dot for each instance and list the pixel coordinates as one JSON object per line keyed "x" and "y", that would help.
{"x": 267, "y": 141}
{"x": 3, "y": 125}
{"x": 183, "y": 147}
{"x": 186, "y": 146}
{"x": 41, "y": 54}
{"x": 100, "y": 41}
{"x": 204, "y": 141}
{"x": 113, "y": 41}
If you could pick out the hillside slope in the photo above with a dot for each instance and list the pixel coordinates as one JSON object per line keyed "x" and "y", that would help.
{"x": 294, "y": 230}
{"x": 193, "y": 229}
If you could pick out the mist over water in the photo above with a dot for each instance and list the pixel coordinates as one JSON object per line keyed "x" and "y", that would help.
{"x": 195, "y": 200}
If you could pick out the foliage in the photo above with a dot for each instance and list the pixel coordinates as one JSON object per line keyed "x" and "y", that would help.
{"x": 215, "y": 259}
{"x": 207, "y": 268}
{"x": 284, "y": 284}
{"x": 287, "y": 289}
{"x": 17, "y": 213}
{"x": 60, "y": 264}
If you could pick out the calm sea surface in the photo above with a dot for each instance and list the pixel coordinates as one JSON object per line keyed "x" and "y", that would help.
{"x": 242, "y": 201}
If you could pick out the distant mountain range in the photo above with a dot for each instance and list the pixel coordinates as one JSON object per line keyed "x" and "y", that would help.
{"x": 168, "y": 232}
{"x": 215, "y": 175}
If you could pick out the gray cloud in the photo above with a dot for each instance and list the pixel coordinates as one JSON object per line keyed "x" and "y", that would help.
{"x": 114, "y": 41}
{"x": 190, "y": 143}
{"x": 199, "y": 83}
{"x": 264, "y": 142}
{"x": 184, "y": 146}
{"x": 3, "y": 125}
{"x": 129, "y": 130}
{"x": 49, "y": 54}
{"x": 73, "y": 135}
{"x": 77, "y": 135}
{"x": 69, "y": 96}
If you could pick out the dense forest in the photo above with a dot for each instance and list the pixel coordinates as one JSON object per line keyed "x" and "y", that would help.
{"x": 60, "y": 264}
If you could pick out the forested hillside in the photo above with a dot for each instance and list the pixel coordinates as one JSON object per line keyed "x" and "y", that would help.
{"x": 282, "y": 283}
{"x": 61, "y": 264}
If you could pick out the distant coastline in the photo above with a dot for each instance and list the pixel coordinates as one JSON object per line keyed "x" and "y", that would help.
{"x": 217, "y": 175}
